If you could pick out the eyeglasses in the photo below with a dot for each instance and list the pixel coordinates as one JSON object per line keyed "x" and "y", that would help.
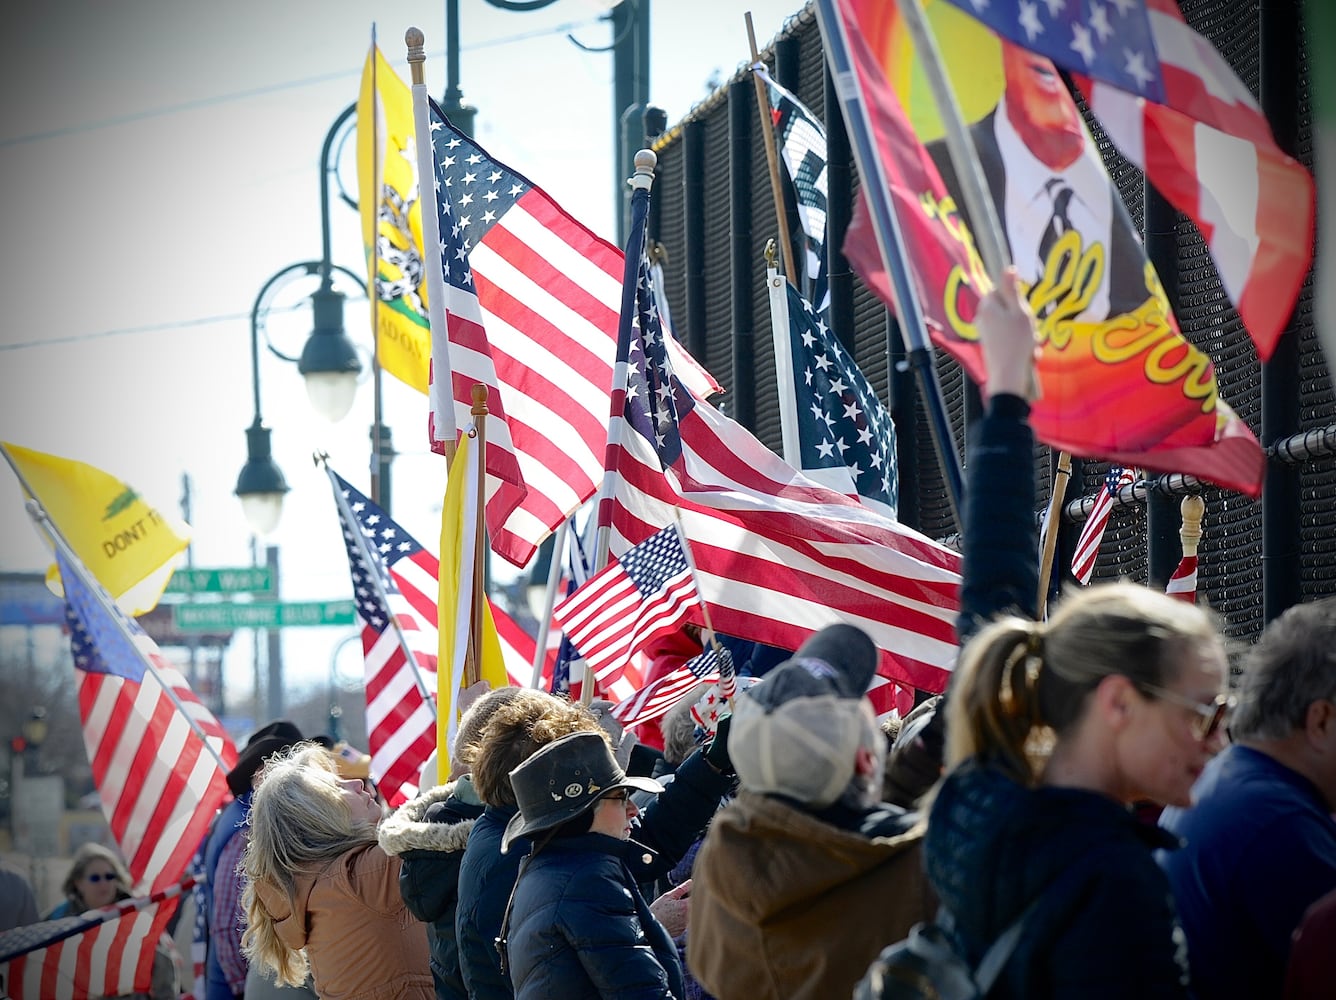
{"x": 617, "y": 797}
{"x": 99, "y": 877}
{"x": 1210, "y": 716}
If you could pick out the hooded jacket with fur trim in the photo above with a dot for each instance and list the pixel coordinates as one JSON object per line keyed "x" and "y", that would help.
{"x": 429, "y": 835}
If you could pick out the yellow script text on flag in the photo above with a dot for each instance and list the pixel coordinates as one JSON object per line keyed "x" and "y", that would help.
{"x": 387, "y": 191}
{"x": 120, "y": 538}
{"x": 456, "y": 599}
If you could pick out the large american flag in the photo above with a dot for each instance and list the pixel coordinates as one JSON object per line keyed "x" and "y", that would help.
{"x": 1092, "y": 532}
{"x": 532, "y": 301}
{"x": 630, "y": 602}
{"x": 777, "y": 555}
{"x": 159, "y": 757}
{"x": 1176, "y": 109}
{"x": 103, "y": 953}
{"x": 395, "y": 580}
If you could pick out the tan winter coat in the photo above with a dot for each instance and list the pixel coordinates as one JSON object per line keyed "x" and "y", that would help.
{"x": 787, "y": 907}
{"x": 362, "y": 942}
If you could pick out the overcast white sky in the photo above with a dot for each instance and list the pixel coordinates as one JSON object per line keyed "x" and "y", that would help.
{"x": 159, "y": 162}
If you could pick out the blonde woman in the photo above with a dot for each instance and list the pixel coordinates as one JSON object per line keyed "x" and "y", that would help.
{"x": 320, "y": 895}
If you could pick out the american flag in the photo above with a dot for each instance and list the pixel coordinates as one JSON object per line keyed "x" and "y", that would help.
{"x": 394, "y": 581}
{"x": 777, "y": 555}
{"x": 104, "y": 953}
{"x": 802, "y": 147}
{"x": 646, "y": 593}
{"x": 399, "y": 582}
{"x": 1092, "y": 533}
{"x": 1176, "y": 109}
{"x": 159, "y": 757}
{"x": 846, "y": 439}
{"x": 532, "y": 298}
{"x": 658, "y": 697}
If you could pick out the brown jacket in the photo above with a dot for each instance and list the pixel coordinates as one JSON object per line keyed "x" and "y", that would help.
{"x": 785, "y": 906}
{"x": 362, "y": 941}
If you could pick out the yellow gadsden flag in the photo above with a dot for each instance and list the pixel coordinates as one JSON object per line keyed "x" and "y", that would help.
{"x": 387, "y": 191}
{"x": 456, "y": 600}
{"x": 120, "y": 538}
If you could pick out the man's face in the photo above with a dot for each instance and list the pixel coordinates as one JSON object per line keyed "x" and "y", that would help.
{"x": 1036, "y": 99}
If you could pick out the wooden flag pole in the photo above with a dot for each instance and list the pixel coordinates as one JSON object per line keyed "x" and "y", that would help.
{"x": 1053, "y": 519}
{"x": 473, "y": 659}
{"x": 772, "y": 158}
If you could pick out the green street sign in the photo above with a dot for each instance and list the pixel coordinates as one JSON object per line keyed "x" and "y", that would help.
{"x": 238, "y": 580}
{"x": 224, "y": 617}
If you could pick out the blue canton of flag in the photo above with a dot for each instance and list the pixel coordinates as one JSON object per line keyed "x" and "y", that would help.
{"x": 841, "y": 422}
{"x": 802, "y": 147}
{"x": 387, "y": 541}
{"x": 472, "y": 192}
{"x": 655, "y": 399}
{"x": 1109, "y": 40}
{"x": 643, "y": 595}
{"x": 98, "y": 633}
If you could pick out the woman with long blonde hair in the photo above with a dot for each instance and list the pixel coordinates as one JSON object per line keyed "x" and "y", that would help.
{"x": 320, "y": 894}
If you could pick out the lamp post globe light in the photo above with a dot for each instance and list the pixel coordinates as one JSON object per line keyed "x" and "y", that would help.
{"x": 330, "y": 365}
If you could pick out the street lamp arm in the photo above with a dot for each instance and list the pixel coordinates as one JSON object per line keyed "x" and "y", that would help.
{"x": 258, "y": 309}
{"x": 326, "y": 168}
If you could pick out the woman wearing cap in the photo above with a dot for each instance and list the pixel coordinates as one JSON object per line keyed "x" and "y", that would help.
{"x": 577, "y": 925}
{"x": 1054, "y": 729}
{"x": 320, "y": 895}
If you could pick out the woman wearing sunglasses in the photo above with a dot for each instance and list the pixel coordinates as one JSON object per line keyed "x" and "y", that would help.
{"x": 1054, "y": 730}
{"x": 99, "y": 878}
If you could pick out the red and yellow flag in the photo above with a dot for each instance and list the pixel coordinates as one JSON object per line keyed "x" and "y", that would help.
{"x": 1118, "y": 379}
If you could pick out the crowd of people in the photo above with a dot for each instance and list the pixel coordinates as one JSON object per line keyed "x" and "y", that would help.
{"x": 1089, "y": 791}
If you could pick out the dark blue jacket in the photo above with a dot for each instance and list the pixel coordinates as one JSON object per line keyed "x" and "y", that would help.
{"x": 1260, "y": 849}
{"x": 1106, "y": 930}
{"x": 668, "y": 827}
{"x": 581, "y": 930}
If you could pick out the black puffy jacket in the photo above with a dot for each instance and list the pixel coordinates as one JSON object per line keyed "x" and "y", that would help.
{"x": 668, "y": 827}
{"x": 429, "y": 834}
{"x": 1108, "y": 928}
{"x": 581, "y": 930}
